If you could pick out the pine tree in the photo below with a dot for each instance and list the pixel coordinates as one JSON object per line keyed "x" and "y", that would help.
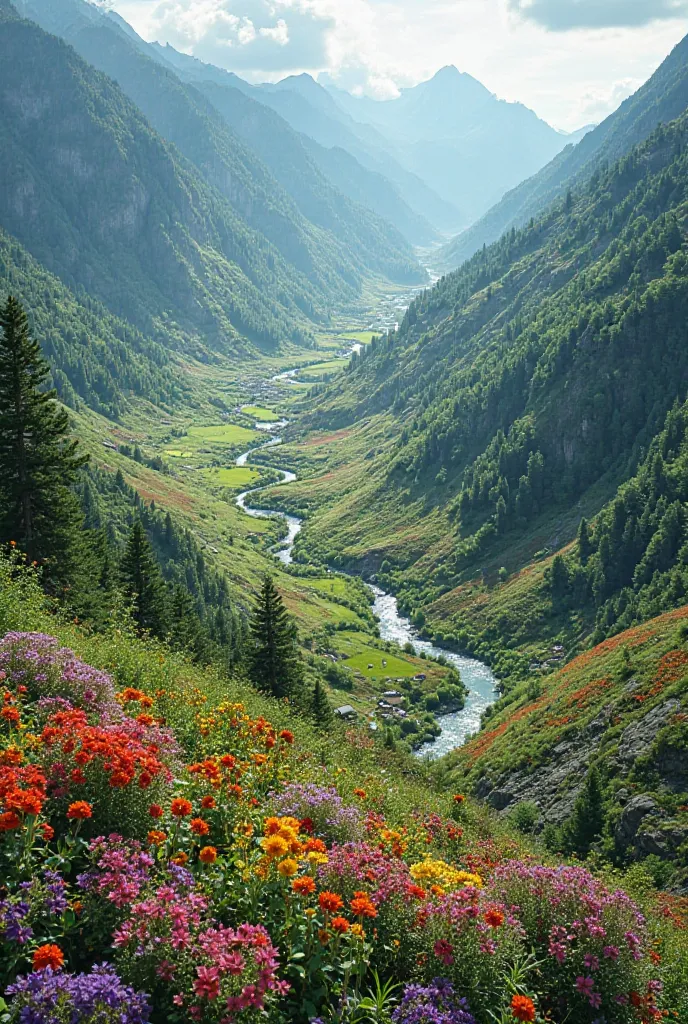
{"x": 321, "y": 709}
{"x": 587, "y": 818}
{"x": 142, "y": 581}
{"x": 39, "y": 462}
{"x": 584, "y": 544}
{"x": 274, "y": 664}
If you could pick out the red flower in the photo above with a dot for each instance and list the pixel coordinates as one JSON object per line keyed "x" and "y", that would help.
{"x": 303, "y": 886}
{"x": 155, "y": 811}
{"x": 200, "y": 827}
{"x": 48, "y": 956}
{"x": 180, "y": 807}
{"x": 494, "y": 918}
{"x": 307, "y": 826}
{"x": 79, "y": 810}
{"x": 339, "y": 925}
{"x": 523, "y": 1008}
{"x": 444, "y": 951}
{"x": 10, "y": 714}
{"x": 48, "y": 832}
{"x": 286, "y": 736}
{"x": 459, "y": 798}
{"x": 9, "y": 821}
{"x": 208, "y": 802}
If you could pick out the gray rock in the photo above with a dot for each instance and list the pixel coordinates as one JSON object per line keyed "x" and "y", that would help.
{"x": 662, "y": 842}
{"x": 637, "y": 739}
{"x": 636, "y": 810}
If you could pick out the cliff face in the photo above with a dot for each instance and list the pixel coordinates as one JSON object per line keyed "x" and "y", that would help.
{"x": 622, "y": 707}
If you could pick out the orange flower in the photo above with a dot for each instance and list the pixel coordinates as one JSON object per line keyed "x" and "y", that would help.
{"x": 523, "y": 1008}
{"x": 200, "y": 827}
{"x": 80, "y": 810}
{"x": 208, "y": 855}
{"x": 48, "y": 832}
{"x": 459, "y": 798}
{"x": 494, "y": 918}
{"x": 324, "y": 936}
{"x": 361, "y": 905}
{"x": 10, "y": 714}
{"x": 144, "y": 719}
{"x": 48, "y": 956}
{"x": 339, "y": 925}
{"x": 156, "y": 838}
{"x": 180, "y": 858}
{"x": 208, "y": 802}
{"x": 155, "y": 811}
{"x": 303, "y": 886}
{"x": 180, "y": 807}
{"x": 272, "y": 826}
{"x": 360, "y": 793}
{"x": 9, "y": 821}
{"x": 286, "y": 736}
{"x": 315, "y": 846}
{"x": 330, "y": 902}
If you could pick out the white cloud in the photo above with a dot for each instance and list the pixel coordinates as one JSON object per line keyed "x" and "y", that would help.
{"x": 378, "y": 46}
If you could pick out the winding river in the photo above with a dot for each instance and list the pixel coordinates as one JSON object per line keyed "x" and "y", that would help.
{"x": 477, "y": 677}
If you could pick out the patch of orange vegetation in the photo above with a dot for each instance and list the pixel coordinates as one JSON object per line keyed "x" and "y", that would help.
{"x": 580, "y": 698}
{"x": 484, "y": 740}
{"x": 669, "y": 670}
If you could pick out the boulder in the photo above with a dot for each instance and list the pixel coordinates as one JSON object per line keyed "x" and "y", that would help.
{"x": 636, "y": 810}
{"x": 638, "y": 738}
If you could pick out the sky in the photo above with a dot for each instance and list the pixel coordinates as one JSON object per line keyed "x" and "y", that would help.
{"x": 572, "y": 61}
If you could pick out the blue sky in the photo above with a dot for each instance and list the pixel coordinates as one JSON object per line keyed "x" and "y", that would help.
{"x": 572, "y": 61}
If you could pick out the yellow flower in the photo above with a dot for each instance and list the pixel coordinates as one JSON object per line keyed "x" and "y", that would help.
{"x": 358, "y": 931}
{"x": 314, "y": 858}
{"x": 287, "y": 868}
{"x": 274, "y": 846}
{"x": 443, "y": 875}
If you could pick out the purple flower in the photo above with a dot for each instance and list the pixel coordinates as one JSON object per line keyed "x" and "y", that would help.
{"x": 52, "y": 998}
{"x": 432, "y": 1004}
{"x": 333, "y": 820}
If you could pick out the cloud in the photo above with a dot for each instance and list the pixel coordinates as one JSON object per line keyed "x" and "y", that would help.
{"x": 563, "y": 15}
{"x": 258, "y": 36}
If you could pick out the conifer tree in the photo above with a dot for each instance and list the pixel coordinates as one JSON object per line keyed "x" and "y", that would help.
{"x": 274, "y": 663}
{"x": 587, "y": 818}
{"x": 321, "y": 709}
{"x": 584, "y": 544}
{"x": 142, "y": 581}
{"x": 39, "y": 462}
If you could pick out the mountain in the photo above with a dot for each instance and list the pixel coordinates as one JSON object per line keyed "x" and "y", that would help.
{"x": 104, "y": 203}
{"x": 618, "y": 708}
{"x": 662, "y": 98}
{"x": 467, "y": 144}
{"x": 94, "y": 356}
{"x": 515, "y": 399}
{"x": 189, "y": 121}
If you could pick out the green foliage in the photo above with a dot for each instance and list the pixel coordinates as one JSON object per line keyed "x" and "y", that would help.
{"x": 143, "y": 583}
{"x": 586, "y": 823}
{"x": 273, "y": 659}
{"x": 525, "y": 816}
{"x": 39, "y": 461}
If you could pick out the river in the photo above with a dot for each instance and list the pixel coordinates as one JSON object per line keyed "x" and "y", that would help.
{"x": 477, "y": 677}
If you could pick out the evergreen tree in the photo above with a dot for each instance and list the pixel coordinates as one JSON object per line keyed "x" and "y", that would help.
{"x": 142, "y": 581}
{"x": 186, "y": 630}
{"x": 39, "y": 462}
{"x": 274, "y": 663}
{"x": 320, "y": 706}
{"x": 584, "y": 544}
{"x": 559, "y": 582}
{"x": 587, "y": 819}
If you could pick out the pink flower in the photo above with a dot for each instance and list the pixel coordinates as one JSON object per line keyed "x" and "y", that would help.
{"x": 611, "y": 952}
{"x": 207, "y": 984}
{"x": 591, "y": 961}
{"x": 584, "y": 985}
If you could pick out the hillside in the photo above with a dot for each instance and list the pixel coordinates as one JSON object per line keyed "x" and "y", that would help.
{"x": 619, "y": 707}
{"x": 333, "y": 248}
{"x": 96, "y": 358}
{"x": 661, "y": 99}
{"x": 516, "y": 397}
{"x": 228, "y": 816}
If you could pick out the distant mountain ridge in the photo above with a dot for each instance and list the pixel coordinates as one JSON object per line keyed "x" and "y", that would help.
{"x": 466, "y": 143}
{"x": 662, "y": 98}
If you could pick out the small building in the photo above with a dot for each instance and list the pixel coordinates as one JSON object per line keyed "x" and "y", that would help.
{"x": 392, "y": 693}
{"x": 420, "y": 678}
{"x": 345, "y": 711}
{"x": 394, "y": 702}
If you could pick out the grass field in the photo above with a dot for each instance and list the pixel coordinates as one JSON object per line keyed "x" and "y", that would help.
{"x": 234, "y": 476}
{"x": 257, "y": 412}
{"x": 365, "y": 337}
{"x": 226, "y": 433}
{"x": 177, "y": 453}
{"x": 325, "y": 369}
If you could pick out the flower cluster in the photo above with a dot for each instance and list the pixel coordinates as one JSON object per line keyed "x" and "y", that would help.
{"x": 99, "y": 997}
{"x": 322, "y": 808}
{"x": 435, "y": 1003}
